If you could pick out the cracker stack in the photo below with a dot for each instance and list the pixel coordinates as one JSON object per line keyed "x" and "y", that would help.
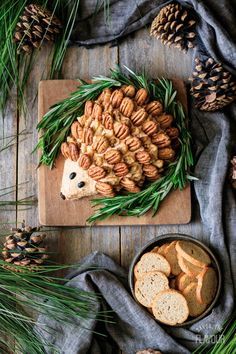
{"x": 175, "y": 281}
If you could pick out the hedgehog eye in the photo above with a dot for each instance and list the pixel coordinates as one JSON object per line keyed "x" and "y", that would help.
{"x": 81, "y": 184}
{"x": 72, "y": 175}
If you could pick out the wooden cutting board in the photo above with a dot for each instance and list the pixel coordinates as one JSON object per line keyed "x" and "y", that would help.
{"x": 53, "y": 211}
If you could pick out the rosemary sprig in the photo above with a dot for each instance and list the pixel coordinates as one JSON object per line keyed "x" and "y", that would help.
{"x": 55, "y": 126}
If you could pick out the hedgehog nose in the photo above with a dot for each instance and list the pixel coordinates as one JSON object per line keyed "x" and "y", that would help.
{"x": 62, "y": 196}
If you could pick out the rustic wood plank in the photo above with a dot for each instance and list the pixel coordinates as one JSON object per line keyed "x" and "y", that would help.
{"x": 140, "y": 52}
{"x": 8, "y": 177}
{"x": 8, "y": 159}
{"x": 28, "y": 161}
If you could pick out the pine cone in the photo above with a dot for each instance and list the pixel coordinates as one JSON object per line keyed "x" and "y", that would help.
{"x": 212, "y": 86}
{"x": 175, "y": 26}
{"x": 35, "y": 25}
{"x": 24, "y": 247}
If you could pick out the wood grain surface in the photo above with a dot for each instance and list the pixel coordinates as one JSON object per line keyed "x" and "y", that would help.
{"x": 53, "y": 211}
{"x": 17, "y": 164}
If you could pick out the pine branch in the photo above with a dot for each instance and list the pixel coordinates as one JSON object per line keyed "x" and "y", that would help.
{"x": 21, "y": 292}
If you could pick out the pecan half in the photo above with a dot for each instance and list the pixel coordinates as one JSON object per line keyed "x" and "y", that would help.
{"x": 82, "y": 120}
{"x": 127, "y": 106}
{"x": 65, "y": 150}
{"x": 88, "y": 108}
{"x": 143, "y": 157}
{"x": 139, "y": 116}
{"x": 84, "y": 161}
{"x": 87, "y": 136}
{"x": 96, "y": 172}
{"x": 166, "y": 154}
{"x": 165, "y": 120}
{"x": 128, "y": 90}
{"x": 107, "y": 120}
{"x": 172, "y": 132}
{"x": 121, "y": 130}
{"x": 121, "y": 169}
{"x": 150, "y": 127}
{"x": 76, "y": 130}
{"x": 129, "y": 185}
{"x": 151, "y": 172}
{"x": 100, "y": 144}
{"x": 161, "y": 139}
{"x": 104, "y": 97}
{"x": 74, "y": 151}
{"x": 141, "y": 96}
{"x": 116, "y": 98}
{"x": 133, "y": 143}
{"x": 113, "y": 156}
{"x": 155, "y": 108}
{"x": 105, "y": 189}
{"x": 97, "y": 111}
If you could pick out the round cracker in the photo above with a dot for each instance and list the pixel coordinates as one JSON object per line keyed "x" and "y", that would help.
{"x": 193, "y": 253}
{"x": 148, "y": 286}
{"x": 190, "y": 294}
{"x": 151, "y": 262}
{"x": 170, "y": 307}
{"x": 207, "y": 286}
{"x": 188, "y": 267}
{"x": 170, "y": 254}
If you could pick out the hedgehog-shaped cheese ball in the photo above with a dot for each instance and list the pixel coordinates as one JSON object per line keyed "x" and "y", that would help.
{"x": 122, "y": 140}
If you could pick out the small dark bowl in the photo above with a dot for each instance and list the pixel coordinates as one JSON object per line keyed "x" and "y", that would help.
{"x": 158, "y": 241}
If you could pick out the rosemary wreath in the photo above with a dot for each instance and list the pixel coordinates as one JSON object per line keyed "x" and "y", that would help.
{"x": 56, "y": 124}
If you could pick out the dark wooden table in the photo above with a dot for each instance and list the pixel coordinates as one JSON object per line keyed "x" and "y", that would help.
{"x": 18, "y": 164}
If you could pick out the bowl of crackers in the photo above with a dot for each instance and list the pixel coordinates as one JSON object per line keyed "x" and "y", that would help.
{"x": 176, "y": 278}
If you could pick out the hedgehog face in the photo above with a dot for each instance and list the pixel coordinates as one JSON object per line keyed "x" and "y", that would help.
{"x": 76, "y": 183}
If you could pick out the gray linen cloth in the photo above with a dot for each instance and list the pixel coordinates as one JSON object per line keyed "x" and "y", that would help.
{"x": 213, "y": 134}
